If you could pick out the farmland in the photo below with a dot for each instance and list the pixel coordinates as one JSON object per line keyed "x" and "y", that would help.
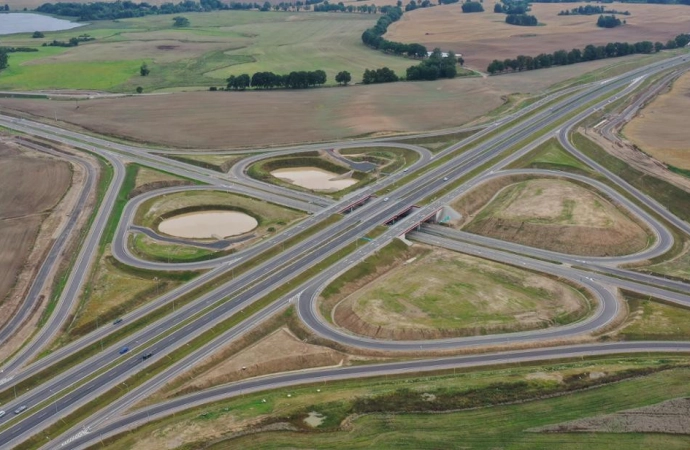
{"x": 30, "y": 186}
{"x": 191, "y": 119}
{"x": 660, "y": 128}
{"x": 483, "y": 37}
{"x": 215, "y": 46}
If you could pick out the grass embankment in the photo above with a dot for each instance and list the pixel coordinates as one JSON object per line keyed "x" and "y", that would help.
{"x": 551, "y": 156}
{"x": 654, "y": 319}
{"x": 219, "y": 163}
{"x": 440, "y": 142}
{"x": 193, "y": 345}
{"x": 130, "y": 328}
{"x": 643, "y": 382}
{"x": 152, "y": 250}
{"x": 387, "y": 159}
{"x": 675, "y": 199}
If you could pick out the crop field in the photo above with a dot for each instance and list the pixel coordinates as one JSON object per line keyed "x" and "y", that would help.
{"x": 193, "y": 119}
{"x": 660, "y": 129}
{"x": 446, "y": 294}
{"x": 557, "y": 215}
{"x": 488, "y": 427}
{"x": 30, "y": 187}
{"x": 483, "y": 37}
{"x": 215, "y": 46}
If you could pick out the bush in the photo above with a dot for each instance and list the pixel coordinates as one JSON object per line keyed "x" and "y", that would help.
{"x": 472, "y": 7}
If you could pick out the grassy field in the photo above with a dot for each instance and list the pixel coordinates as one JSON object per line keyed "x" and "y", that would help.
{"x": 215, "y": 46}
{"x": 483, "y": 37}
{"x": 659, "y": 130}
{"x": 153, "y": 250}
{"x": 551, "y": 156}
{"x": 652, "y": 320}
{"x": 558, "y": 215}
{"x": 489, "y": 427}
{"x": 678, "y": 267}
{"x": 448, "y": 294}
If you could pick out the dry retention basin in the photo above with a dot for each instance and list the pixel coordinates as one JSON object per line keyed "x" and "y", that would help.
{"x": 208, "y": 224}
{"x": 314, "y": 178}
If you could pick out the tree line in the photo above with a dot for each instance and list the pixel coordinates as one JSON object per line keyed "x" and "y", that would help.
{"x": 4, "y": 59}
{"x": 373, "y": 37}
{"x": 524, "y": 20}
{"x": 269, "y": 80}
{"x": 512, "y": 7}
{"x": 472, "y": 7}
{"x": 609, "y": 22}
{"x": 590, "y": 10}
{"x": 589, "y": 53}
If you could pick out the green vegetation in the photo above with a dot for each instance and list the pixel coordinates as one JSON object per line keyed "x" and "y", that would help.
{"x": 152, "y": 250}
{"x": 488, "y": 427}
{"x": 220, "y": 163}
{"x": 472, "y": 7}
{"x": 551, "y": 156}
{"x": 674, "y": 198}
{"x": 652, "y": 319}
{"x": 678, "y": 267}
{"x": 214, "y": 47}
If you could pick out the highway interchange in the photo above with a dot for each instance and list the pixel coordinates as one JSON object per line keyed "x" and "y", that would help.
{"x": 484, "y": 158}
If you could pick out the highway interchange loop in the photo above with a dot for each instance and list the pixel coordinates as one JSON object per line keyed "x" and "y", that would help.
{"x": 68, "y": 390}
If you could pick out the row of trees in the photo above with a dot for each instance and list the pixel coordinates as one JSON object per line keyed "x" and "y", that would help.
{"x": 435, "y": 67}
{"x": 414, "y": 5}
{"x": 524, "y": 20}
{"x": 4, "y": 59}
{"x": 512, "y": 7}
{"x": 589, "y": 53}
{"x": 590, "y": 10}
{"x": 383, "y": 75}
{"x": 270, "y": 80}
{"x": 472, "y": 7}
{"x": 373, "y": 37}
{"x": 609, "y": 22}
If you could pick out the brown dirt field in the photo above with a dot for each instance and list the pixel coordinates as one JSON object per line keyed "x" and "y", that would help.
{"x": 30, "y": 186}
{"x": 483, "y": 37}
{"x": 670, "y": 417}
{"x": 551, "y": 214}
{"x": 238, "y": 119}
{"x": 280, "y": 351}
{"x": 661, "y": 128}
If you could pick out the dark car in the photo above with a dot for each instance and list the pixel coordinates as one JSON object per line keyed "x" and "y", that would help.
{"x": 117, "y": 321}
{"x": 147, "y": 356}
{"x": 124, "y": 350}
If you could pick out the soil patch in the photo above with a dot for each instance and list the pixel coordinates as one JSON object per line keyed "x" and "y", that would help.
{"x": 660, "y": 129}
{"x": 314, "y": 178}
{"x": 670, "y": 417}
{"x": 208, "y": 224}
{"x": 279, "y": 352}
{"x": 552, "y": 214}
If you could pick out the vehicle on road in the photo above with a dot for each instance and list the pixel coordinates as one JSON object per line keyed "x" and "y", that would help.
{"x": 147, "y": 356}
{"x": 117, "y": 321}
{"x": 2, "y": 413}
{"x": 124, "y": 350}
{"x": 445, "y": 178}
{"x": 386, "y": 199}
{"x": 20, "y": 409}
{"x": 406, "y": 169}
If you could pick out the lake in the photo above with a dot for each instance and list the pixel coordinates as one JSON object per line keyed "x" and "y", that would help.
{"x": 28, "y": 23}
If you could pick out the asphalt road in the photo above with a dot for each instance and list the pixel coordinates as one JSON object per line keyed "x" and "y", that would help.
{"x": 282, "y": 268}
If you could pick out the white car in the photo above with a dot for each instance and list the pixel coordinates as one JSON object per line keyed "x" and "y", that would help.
{"x": 445, "y": 178}
{"x": 385, "y": 199}
{"x": 2, "y": 413}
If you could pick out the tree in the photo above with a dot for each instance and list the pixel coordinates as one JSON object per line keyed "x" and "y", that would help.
{"x": 658, "y": 46}
{"x": 38, "y": 35}
{"x": 608, "y": 21}
{"x": 144, "y": 70}
{"x": 472, "y": 7}
{"x": 498, "y": 8}
{"x": 343, "y": 77}
{"x": 180, "y": 22}
{"x": 140, "y": 89}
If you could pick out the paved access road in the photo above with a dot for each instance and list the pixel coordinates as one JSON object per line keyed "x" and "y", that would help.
{"x": 274, "y": 273}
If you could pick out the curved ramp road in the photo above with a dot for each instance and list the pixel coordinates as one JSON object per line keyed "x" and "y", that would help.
{"x": 67, "y": 391}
